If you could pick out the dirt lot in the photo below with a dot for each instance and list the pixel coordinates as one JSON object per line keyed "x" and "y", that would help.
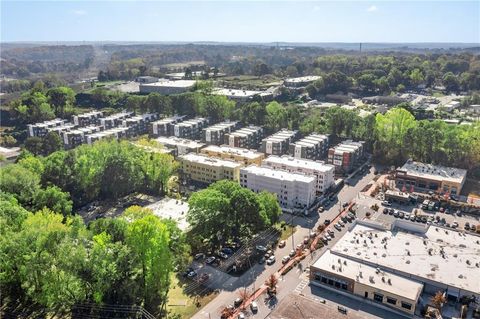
{"x": 294, "y": 307}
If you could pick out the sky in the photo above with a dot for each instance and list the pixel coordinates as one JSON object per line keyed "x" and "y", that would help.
{"x": 241, "y": 21}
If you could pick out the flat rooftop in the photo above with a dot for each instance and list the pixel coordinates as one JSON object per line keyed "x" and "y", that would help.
{"x": 440, "y": 255}
{"x": 302, "y": 79}
{"x": 246, "y": 131}
{"x": 243, "y": 152}
{"x": 235, "y": 92}
{"x": 368, "y": 275}
{"x": 299, "y": 163}
{"x": 178, "y": 84}
{"x": 280, "y": 135}
{"x": 277, "y": 174}
{"x": 89, "y": 114}
{"x": 220, "y": 126}
{"x": 191, "y": 122}
{"x": 117, "y": 116}
{"x": 434, "y": 172}
{"x": 108, "y": 132}
{"x": 203, "y": 159}
{"x": 170, "y": 208}
{"x": 175, "y": 141}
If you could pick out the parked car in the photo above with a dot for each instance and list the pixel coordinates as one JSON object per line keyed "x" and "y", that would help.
{"x": 285, "y": 259}
{"x": 454, "y": 225}
{"x": 292, "y": 253}
{"x": 312, "y": 234}
{"x": 331, "y": 232}
{"x": 282, "y": 244}
{"x": 187, "y": 271}
{"x": 327, "y": 222}
{"x": 192, "y": 274}
{"x": 401, "y": 214}
{"x": 407, "y": 216}
{"x": 261, "y": 248}
{"x": 344, "y": 219}
{"x": 199, "y": 256}
{"x": 261, "y": 260}
{"x": 299, "y": 246}
{"x": 341, "y": 223}
{"x": 328, "y": 237}
{"x": 210, "y": 260}
{"x": 412, "y": 218}
{"x": 241, "y": 315}
{"x": 338, "y": 227}
{"x": 254, "y": 306}
{"x": 305, "y": 240}
{"x": 395, "y": 213}
{"x": 237, "y": 302}
{"x": 386, "y": 203}
{"x": 222, "y": 255}
{"x": 467, "y": 226}
{"x": 321, "y": 209}
{"x": 271, "y": 260}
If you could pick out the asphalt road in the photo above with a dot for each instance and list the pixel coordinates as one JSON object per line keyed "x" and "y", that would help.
{"x": 296, "y": 278}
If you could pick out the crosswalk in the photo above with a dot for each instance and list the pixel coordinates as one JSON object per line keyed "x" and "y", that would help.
{"x": 301, "y": 286}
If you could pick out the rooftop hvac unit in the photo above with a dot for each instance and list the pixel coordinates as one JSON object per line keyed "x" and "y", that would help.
{"x": 389, "y": 281}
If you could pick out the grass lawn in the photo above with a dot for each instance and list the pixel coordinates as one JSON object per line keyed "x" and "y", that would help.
{"x": 289, "y": 230}
{"x": 185, "y": 305}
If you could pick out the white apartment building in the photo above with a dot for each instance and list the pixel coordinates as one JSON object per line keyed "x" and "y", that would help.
{"x": 323, "y": 173}
{"x": 292, "y": 190}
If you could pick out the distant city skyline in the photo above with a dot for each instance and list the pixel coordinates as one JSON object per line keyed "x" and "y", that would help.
{"x": 248, "y": 21}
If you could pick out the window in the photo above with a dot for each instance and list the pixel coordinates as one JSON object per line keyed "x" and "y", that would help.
{"x": 392, "y": 301}
{"x": 324, "y": 280}
{"x": 406, "y": 305}
{"x": 377, "y": 297}
{"x": 344, "y": 286}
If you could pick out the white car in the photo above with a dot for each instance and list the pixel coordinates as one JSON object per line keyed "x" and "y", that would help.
{"x": 254, "y": 306}
{"x": 271, "y": 260}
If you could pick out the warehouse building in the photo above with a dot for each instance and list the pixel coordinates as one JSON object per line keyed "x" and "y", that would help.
{"x": 300, "y": 82}
{"x": 312, "y": 147}
{"x": 278, "y": 143}
{"x": 167, "y": 87}
{"x": 40, "y": 129}
{"x": 164, "y": 127}
{"x": 87, "y": 119}
{"x": 207, "y": 170}
{"x": 247, "y": 137}
{"x": 345, "y": 155}
{"x": 294, "y": 191}
{"x": 215, "y": 134}
{"x": 242, "y": 155}
{"x": 190, "y": 129}
{"x": 324, "y": 173}
{"x": 427, "y": 177}
{"x": 180, "y": 146}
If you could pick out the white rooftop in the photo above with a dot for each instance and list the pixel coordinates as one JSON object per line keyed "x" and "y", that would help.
{"x": 235, "y": 92}
{"x": 220, "y": 126}
{"x": 277, "y": 174}
{"x": 203, "y": 159}
{"x": 368, "y": 275}
{"x": 300, "y": 163}
{"x": 170, "y": 208}
{"x": 445, "y": 256}
{"x": 246, "y": 131}
{"x": 280, "y": 135}
{"x": 309, "y": 78}
{"x": 178, "y": 83}
{"x": 251, "y": 154}
{"x": 434, "y": 172}
{"x": 175, "y": 141}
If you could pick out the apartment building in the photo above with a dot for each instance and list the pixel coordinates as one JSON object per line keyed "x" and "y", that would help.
{"x": 40, "y": 129}
{"x": 62, "y": 128}
{"x": 324, "y": 173}
{"x": 313, "y": 147}
{"x": 207, "y": 170}
{"x": 294, "y": 191}
{"x": 167, "y": 87}
{"x": 215, "y": 134}
{"x": 73, "y": 138}
{"x": 114, "y": 120}
{"x": 345, "y": 155}
{"x": 247, "y": 137}
{"x": 241, "y": 155}
{"x": 427, "y": 177}
{"x": 278, "y": 143}
{"x": 139, "y": 124}
{"x": 164, "y": 127}
{"x": 190, "y": 129}
{"x": 115, "y": 133}
{"x": 180, "y": 146}
{"x": 87, "y": 119}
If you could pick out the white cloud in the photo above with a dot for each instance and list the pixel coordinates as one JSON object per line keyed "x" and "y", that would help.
{"x": 316, "y": 8}
{"x": 79, "y": 12}
{"x": 372, "y": 9}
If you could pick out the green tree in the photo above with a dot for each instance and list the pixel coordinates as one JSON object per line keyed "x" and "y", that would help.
{"x": 51, "y": 143}
{"x": 54, "y": 199}
{"x": 276, "y": 116}
{"x": 60, "y": 98}
{"x": 20, "y": 182}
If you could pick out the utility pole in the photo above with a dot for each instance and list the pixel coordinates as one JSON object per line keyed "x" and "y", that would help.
{"x": 293, "y": 241}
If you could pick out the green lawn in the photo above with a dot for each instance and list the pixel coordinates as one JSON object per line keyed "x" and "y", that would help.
{"x": 287, "y": 232}
{"x": 186, "y": 305}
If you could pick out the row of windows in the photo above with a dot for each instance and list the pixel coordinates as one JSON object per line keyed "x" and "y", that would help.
{"x": 332, "y": 282}
{"x": 379, "y": 298}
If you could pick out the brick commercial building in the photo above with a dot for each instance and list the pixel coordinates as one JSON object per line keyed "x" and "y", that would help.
{"x": 278, "y": 143}
{"x": 207, "y": 170}
{"x": 247, "y": 137}
{"x": 345, "y": 155}
{"x": 324, "y": 173}
{"x": 313, "y": 147}
{"x": 241, "y": 155}
{"x": 294, "y": 191}
{"x": 427, "y": 177}
{"x": 215, "y": 134}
